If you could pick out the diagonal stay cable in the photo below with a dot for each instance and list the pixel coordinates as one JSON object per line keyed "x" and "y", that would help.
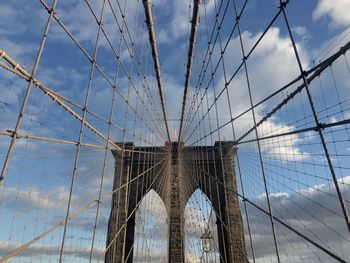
{"x": 277, "y": 219}
{"x": 132, "y": 54}
{"x": 88, "y": 56}
{"x": 163, "y": 169}
{"x": 217, "y": 214}
{"x": 316, "y": 118}
{"x": 48, "y": 91}
{"x": 47, "y": 232}
{"x": 54, "y": 97}
{"x": 28, "y": 90}
{"x": 316, "y": 71}
{"x": 212, "y": 41}
{"x": 70, "y": 218}
{"x": 235, "y": 73}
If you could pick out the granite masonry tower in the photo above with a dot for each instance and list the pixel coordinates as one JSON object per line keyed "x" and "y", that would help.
{"x": 175, "y": 175}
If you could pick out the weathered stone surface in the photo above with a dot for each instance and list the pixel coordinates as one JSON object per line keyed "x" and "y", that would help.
{"x": 210, "y": 168}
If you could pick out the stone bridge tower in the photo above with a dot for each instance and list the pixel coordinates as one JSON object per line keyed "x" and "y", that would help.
{"x": 207, "y": 168}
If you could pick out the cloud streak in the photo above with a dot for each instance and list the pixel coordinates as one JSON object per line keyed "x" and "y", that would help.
{"x": 314, "y": 211}
{"x": 338, "y": 13}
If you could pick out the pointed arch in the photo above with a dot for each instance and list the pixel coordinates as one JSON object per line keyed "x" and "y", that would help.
{"x": 199, "y": 215}
{"x": 151, "y": 229}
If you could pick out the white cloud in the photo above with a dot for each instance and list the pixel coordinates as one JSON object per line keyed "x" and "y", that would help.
{"x": 338, "y": 11}
{"x": 179, "y": 25}
{"x": 313, "y": 211}
{"x": 174, "y": 93}
{"x": 282, "y": 149}
{"x": 181, "y": 15}
{"x": 76, "y": 15}
{"x": 18, "y": 31}
{"x": 14, "y": 20}
{"x": 20, "y": 51}
{"x": 271, "y": 65}
{"x": 36, "y": 252}
{"x": 300, "y": 30}
{"x": 33, "y": 198}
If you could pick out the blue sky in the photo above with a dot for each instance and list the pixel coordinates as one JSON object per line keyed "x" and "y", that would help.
{"x": 38, "y": 179}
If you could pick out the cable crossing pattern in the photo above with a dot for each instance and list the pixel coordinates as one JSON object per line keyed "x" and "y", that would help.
{"x": 90, "y": 170}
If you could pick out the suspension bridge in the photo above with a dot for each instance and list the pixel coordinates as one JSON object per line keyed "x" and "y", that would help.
{"x": 105, "y": 157}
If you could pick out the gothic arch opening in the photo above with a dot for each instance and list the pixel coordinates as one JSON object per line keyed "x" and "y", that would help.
{"x": 151, "y": 230}
{"x": 199, "y": 219}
